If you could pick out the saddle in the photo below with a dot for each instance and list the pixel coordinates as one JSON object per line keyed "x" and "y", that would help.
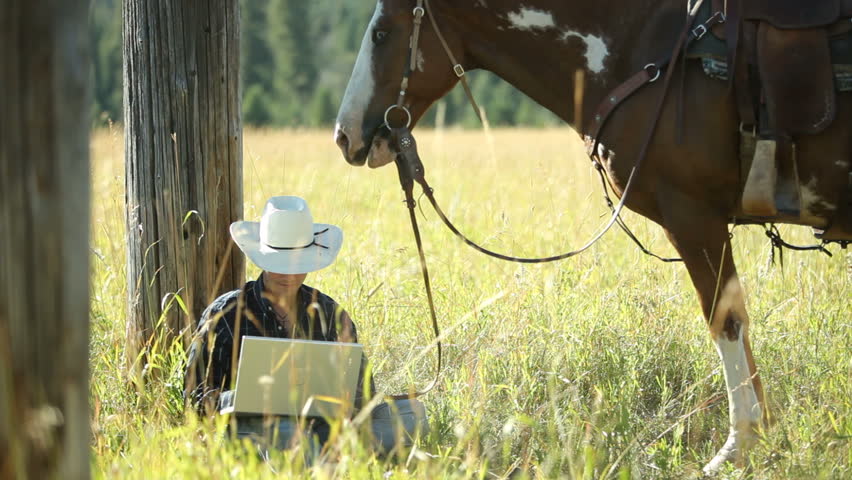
{"x": 784, "y": 86}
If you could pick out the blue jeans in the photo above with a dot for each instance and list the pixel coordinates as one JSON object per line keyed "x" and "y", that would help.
{"x": 393, "y": 425}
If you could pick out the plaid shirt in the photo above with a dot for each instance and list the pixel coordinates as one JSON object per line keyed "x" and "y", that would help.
{"x": 212, "y": 357}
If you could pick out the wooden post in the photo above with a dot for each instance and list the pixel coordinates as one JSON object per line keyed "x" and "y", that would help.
{"x": 44, "y": 236}
{"x": 183, "y": 151}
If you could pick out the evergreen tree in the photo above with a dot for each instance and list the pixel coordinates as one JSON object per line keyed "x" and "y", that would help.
{"x": 105, "y": 48}
{"x": 255, "y": 109}
{"x": 504, "y": 104}
{"x": 323, "y": 108}
{"x": 294, "y": 72}
{"x": 255, "y": 54}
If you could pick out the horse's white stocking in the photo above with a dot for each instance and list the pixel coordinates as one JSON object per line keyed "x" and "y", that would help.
{"x": 729, "y": 335}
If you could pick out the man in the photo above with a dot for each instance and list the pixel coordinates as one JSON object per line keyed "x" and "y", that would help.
{"x": 286, "y": 244}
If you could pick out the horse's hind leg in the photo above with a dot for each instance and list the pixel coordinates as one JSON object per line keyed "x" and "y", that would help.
{"x": 699, "y": 231}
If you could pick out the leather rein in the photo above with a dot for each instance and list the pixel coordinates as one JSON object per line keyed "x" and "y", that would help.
{"x": 410, "y": 168}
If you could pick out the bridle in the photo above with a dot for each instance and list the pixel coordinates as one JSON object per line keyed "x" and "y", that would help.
{"x": 410, "y": 167}
{"x": 423, "y": 8}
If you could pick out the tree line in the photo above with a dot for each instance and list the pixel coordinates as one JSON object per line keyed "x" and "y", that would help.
{"x": 296, "y": 58}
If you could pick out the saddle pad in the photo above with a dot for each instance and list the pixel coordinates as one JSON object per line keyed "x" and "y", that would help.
{"x": 792, "y": 13}
{"x": 796, "y": 74}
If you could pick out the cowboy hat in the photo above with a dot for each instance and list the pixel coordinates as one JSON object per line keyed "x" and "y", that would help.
{"x": 286, "y": 240}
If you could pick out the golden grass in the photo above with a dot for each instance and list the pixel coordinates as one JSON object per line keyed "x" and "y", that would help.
{"x": 593, "y": 367}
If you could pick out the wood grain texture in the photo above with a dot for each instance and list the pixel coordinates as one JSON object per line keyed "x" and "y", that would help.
{"x": 183, "y": 150}
{"x": 44, "y": 230}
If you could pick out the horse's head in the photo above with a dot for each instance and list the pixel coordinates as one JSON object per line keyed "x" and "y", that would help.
{"x": 374, "y": 87}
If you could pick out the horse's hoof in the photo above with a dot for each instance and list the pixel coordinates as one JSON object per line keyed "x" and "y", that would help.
{"x": 715, "y": 465}
{"x": 729, "y": 453}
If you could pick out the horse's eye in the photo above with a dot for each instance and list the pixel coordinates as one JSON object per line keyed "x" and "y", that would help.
{"x": 379, "y": 36}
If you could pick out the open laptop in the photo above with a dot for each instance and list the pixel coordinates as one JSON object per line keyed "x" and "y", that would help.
{"x": 279, "y": 376}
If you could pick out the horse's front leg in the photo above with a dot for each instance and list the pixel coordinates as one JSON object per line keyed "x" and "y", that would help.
{"x": 699, "y": 231}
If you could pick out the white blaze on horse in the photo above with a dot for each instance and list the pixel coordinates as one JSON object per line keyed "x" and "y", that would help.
{"x": 717, "y": 155}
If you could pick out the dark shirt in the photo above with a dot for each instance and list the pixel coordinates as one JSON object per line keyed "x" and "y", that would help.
{"x": 211, "y": 363}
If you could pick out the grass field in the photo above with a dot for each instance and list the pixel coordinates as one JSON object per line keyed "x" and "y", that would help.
{"x": 595, "y": 367}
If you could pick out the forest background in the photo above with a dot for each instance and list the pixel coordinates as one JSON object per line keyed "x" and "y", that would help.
{"x": 296, "y": 58}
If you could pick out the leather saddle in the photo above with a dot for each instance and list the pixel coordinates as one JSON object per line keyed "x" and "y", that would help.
{"x": 784, "y": 85}
{"x": 793, "y": 59}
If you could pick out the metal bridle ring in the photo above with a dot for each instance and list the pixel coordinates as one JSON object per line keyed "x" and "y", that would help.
{"x": 407, "y": 123}
{"x": 419, "y": 11}
{"x": 656, "y": 71}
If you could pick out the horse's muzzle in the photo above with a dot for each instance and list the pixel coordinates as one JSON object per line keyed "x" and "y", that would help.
{"x": 357, "y": 158}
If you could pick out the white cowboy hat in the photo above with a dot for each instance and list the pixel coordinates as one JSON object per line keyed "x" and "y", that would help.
{"x": 286, "y": 240}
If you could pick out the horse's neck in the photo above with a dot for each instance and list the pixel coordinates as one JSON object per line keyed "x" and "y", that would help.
{"x": 540, "y": 51}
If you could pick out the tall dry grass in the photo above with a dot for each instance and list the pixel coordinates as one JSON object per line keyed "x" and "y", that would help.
{"x": 595, "y": 367}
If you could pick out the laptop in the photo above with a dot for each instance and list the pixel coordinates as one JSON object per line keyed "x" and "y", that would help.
{"x": 288, "y": 377}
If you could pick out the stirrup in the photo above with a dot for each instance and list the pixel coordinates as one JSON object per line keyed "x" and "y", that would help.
{"x": 759, "y": 191}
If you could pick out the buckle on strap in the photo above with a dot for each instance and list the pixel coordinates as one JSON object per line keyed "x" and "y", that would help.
{"x": 458, "y": 69}
{"x": 699, "y": 31}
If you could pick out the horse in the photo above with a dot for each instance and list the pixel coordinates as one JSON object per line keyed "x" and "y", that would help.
{"x": 691, "y": 181}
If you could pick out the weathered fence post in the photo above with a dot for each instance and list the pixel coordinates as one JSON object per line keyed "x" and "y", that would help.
{"x": 44, "y": 236}
{"x": 183, "y": 151}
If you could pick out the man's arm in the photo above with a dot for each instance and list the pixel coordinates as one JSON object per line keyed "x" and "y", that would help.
{"x": 347, "y": 332}
{"x": 209, "y": 359}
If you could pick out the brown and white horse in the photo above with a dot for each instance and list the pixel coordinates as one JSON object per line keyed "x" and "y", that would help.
{"x": 691, "y": 188}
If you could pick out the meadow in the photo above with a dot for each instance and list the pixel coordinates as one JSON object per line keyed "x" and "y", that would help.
{"x": 599, "y": 366}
